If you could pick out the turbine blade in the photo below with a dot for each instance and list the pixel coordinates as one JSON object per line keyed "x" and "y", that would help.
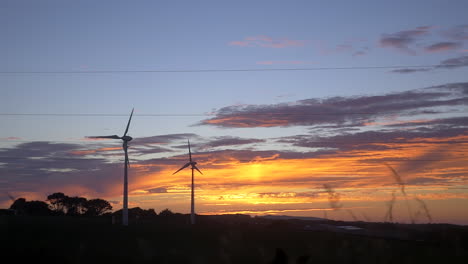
{"x": 125, "y": 148}
{"x": 183, "y": 167}
{"x": 127, "y": 160}
{"x": 189, "y": 152}
{"x": 113, "y": 136}
{"x": 11, "y": 197}
{"x": 128, "y": 124}
{"x": 195, "y": 167}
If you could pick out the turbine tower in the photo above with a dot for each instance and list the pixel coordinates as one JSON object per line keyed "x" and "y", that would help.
{"x": 125, "y": 140}
{"x": 193, "y": 167}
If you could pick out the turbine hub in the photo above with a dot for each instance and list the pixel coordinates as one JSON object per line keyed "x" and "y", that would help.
{"x": 127, "y": 138}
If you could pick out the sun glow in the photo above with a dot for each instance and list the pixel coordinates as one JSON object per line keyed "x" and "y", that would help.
{"x": 273, "y": 183}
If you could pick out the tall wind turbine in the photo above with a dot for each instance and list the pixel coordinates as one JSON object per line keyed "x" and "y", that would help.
{"x": 193, "y": 167}
{"x": 125, "y": 140}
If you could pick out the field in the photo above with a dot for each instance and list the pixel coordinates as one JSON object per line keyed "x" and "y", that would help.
{"x": 226, "y": 240}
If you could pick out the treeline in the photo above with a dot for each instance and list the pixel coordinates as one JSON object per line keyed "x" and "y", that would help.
{"x": 59, "y": 204}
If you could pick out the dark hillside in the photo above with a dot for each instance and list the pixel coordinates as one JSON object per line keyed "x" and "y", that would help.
{"x": 226, "y": 239}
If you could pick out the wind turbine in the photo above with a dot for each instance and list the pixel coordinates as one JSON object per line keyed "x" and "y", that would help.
{"x": 193, "y": 167}
{"x": 125, "y": 140}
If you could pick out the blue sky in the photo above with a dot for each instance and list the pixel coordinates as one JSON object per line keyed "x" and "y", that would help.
{"x": 172, "y": 35}
{"x": 50, "y": 36}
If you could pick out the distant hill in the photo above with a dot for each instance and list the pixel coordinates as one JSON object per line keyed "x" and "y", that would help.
{"x": 287, "y": 217}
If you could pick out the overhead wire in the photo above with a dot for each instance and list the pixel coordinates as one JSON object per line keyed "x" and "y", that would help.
{"x": 222, "y": 70}
{"x": 195, "y": 115}
{"x": 390, "y": 141}
{"x": 234, "y": 159}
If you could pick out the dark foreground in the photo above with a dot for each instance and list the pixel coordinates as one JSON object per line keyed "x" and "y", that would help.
{"x": 225, "y": 240}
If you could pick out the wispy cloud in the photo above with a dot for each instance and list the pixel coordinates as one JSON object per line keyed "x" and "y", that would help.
{"x": 459, "y": 33}
{"x": 443, "y": 46}
{"x": 415, "y": 41}
{"x": 11, "y": 138}
{"x": 403, "y": 40}
{"x": 342, "y": 111}
{"x": 411, "y": 70}
{"x": 355, "y": 47}
{"x": 230, "y": 141}
{"x": 452, "y": 63}
{"x": 268, "y": 42}
{"x": 158, "y": 190}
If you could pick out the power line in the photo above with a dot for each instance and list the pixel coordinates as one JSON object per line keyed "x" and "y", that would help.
{"x": 220, "y": 70}
{"x": 242, "y": 160}
{"x": 97, "y": 115}
{"x": 195, "y": 115}
{"x": 390, "y": 141}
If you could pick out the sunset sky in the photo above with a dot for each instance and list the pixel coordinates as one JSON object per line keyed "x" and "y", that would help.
{"x": 360, "y": 87}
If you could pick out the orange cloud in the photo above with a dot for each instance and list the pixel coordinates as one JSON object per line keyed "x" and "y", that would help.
{"x": 263, "y": 185}
{"x": 275, "y": 181}
{"x": 92, "y": 151}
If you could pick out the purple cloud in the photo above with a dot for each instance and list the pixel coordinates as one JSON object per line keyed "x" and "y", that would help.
{"x": 422, "y": 132}
{"x": 162, "y": 139}
{"x": 454, "y": 63}
{"x": 447, "y": 64}
{"x": 411, "y": 70}
{"x": 340, "y": 111}
{"x": 459, "y": 32}
{"x": 403, "y": 39}
{"x": 48, "y": 167}
{"x": 230, "y": 141}
{"x": 443, "y": 46}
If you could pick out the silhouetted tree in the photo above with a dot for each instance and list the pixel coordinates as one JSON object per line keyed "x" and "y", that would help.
{"x": 23, "y": 207}
{"x": 18, "y": 205}
{"x": 141, "y": 213}
{"x": 150, "y": 213}
{"x": 36, "y": 208}
{"x": 137, "y": 212}
{"x": 75, "y": 205}
{"x": 57, "y": 202}
{"x": 96, "y": 207}
{"x": 166, "y": 212}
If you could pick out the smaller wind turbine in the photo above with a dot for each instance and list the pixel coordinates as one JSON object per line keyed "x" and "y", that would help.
{"x": 193, "y": 167}
{"x": 125, "y": 140}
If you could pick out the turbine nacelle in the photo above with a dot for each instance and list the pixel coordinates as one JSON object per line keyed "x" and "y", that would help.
{"x": 191, "y": 163}
{"x": 126, "y": 138}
